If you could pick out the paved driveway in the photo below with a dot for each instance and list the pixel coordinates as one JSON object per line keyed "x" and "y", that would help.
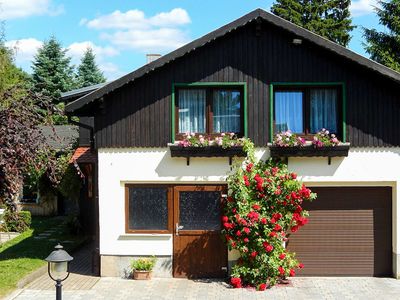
{"x": 300, "y": 288}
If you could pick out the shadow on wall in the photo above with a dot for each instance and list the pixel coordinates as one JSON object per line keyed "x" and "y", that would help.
{"x": 199, "y": 168}
{"x": 315, "y": 166}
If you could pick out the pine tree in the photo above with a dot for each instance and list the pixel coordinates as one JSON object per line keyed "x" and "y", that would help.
{"x": 328, "y": 18}
{"x": 384, "y": 47}
{"x": 88, "y": 71}
{"x": 52, "y": 70}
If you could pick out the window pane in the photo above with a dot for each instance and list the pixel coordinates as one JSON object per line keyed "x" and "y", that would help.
{"x": 200, "y": 210}
{"x": 323, "y": 110}
{"x": 226, "y": 111}
{"x": 148, "y": 208}
{"x": 289, "y": 111}
{"x": 192, "y": 111}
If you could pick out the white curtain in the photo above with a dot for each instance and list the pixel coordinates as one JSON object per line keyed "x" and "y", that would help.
{"x": 289, "y": 111}
{"x": 226, "y": 111}
{"x": 323, "y": 110}
{"x": 192, "y": 111}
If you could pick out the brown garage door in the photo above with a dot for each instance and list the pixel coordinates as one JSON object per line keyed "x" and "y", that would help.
{"x": 349, "y": 233}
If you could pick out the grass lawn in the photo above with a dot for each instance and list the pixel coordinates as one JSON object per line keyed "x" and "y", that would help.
{"x": 24, "y": 254}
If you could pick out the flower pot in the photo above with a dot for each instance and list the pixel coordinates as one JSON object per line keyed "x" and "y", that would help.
{"x": 142, "y": 275}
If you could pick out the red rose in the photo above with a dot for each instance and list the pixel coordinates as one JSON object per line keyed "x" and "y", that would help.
{"x": 274, "y": 170}
{"x": 249, "y": 167}
{"x": 225, "y": 219}
{"x": 238, "y": 233}
{"x": 236, "y": 282}
{"x": 278, "y": 192}
{"x": 246, "y": 240}
{"x": 272, "y": 221}
{"x": 253, "y": 254}
{"x": 268, "y": 247}
{"x": 234, "y": 210}
{"x": 246, "y": 180}
{"x": 277, "y": 227}
{"x": 262, "y": 287}
{"x": 256, "y": 206}
{"x": 301, "y": 266}
{"x": 277, "y": 216}
{"x": 264, "y": 221}
{"x": 281, "y": 270}
{"x": 229, "y": 199}
{"x": 294, "y": 228}
{"x": 233, "y": 244}
{"x": 229, "y": 225}
{"x": 273, "y": 234}
{"x": 294, "y": 175}
{"x": 246, "y": 230}
{"x": 292, "y": 273}
{"x": 282, "y": 256}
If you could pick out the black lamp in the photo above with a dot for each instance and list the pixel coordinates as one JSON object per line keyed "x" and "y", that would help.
{"x": 58, "y": 262}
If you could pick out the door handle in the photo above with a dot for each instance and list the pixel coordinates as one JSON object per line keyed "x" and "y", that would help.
{"x": 177, "y": 228}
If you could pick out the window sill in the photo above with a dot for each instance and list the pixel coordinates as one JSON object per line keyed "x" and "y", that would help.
{"x": 209, "y": 151}
{"x": 341, "y": 150}
{"x": 130, "y": 236}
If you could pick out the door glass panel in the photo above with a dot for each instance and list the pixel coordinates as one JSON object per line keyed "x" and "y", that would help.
{"x": 148, "y": 208}
{"x": 199, "y": 210}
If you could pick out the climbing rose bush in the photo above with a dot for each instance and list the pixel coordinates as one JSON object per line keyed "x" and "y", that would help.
{"x": 263, "y": 207}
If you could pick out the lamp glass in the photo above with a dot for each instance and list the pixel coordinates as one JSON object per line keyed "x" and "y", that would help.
{"x": 59, "y": 270}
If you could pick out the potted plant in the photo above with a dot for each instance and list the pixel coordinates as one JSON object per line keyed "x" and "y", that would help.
{"x": 142, "y": 267}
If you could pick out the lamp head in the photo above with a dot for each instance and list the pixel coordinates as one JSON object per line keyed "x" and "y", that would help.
{"x": 58, "y": 263}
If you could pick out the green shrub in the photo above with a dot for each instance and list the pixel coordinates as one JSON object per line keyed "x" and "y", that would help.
{"x": 143, "y": 264}
{"x": 16, "y": 221}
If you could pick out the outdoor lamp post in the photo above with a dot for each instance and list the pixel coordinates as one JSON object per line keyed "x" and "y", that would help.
{"x": 58, "y": 261}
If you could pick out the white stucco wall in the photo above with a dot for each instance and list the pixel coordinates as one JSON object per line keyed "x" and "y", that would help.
{"x": 363, "y": 167}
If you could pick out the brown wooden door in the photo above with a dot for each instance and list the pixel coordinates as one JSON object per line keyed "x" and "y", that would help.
{"x": 349, "y": 233}
{"x": 199, "y": 250}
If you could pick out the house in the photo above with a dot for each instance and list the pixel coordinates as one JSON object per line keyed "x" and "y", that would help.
{"x": 275, "y": 75}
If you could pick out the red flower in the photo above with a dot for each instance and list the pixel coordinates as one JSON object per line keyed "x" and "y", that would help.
{"x": 233, "y": 244}
{"x": 264, "y": 221}
{"x": 278, "y": 192}
{"x": 277, "y": 216}
{"x": 292, "y": 273}
{"x": 228, "y": 237}
{"x": 236, "y": 282}
{"x": 282, "y": 256}
{"x": 294, "y": 228}
{"x": 273, "y": 234}
{"x": 238, "y": 233}
{"x": 246, "y": 230}
{"x": 294, "y": 175}
{"x": 246, "y": 180}
{"x": 268, "y": 247}
{"x": 253, "y": 216}
{"x": 254, "y": 254}
{"x": 225, "y": 219}
{"x": 281, "y": 270}
{"x": 262, "y": 287}
{"x": 229, "y": 225}
{"x": 246, "y": 240}
{"x": 301, "y": 266}
{"x": 229, "y": 199}
{"x": 256, "y": 206}
{"x": 299, "y": 209}
{"x": 274, "y": 170}
{"x": 277, "y": 227}
{"x": 249, "y": 167}
{"x": 272, "y": 221}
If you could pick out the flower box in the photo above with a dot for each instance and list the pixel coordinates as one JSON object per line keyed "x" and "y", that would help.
{"x": 208, "y": 151}
{"x": 341, "y": 150}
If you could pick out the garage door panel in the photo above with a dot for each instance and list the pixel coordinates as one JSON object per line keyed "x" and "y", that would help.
{"x": 349, "y": 233}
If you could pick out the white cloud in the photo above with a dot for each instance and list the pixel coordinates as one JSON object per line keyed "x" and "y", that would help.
{"x": 133, "y": 30}
{"x": 362, "y": 7}
{"x": 13, "y": 9}
{"x": 25, "y": 49}
{"x": 76, "y": 50}
{"x": 155, "y": 40}
{"x": 136, "y": 19}
{"x": 111, "y": 71}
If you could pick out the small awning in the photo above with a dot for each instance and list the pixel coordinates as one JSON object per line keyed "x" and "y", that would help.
{"x": 83, "y": 155}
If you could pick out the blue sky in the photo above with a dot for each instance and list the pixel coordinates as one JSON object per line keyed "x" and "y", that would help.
{"x": 122, "y": 32}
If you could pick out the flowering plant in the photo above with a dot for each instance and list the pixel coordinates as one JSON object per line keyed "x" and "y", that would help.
{"x": 323, "y": 138}
{"x": 288, "y": 139}
{"x": 225, "y": 140}
{"x": 263, "y": 205}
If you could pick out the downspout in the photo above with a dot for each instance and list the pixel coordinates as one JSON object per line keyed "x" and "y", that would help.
{"x": 84, "y": 126}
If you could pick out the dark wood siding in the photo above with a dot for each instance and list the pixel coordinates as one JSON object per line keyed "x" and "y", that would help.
{"x": 139, "y": 114}
{"x": 349, "y": 233}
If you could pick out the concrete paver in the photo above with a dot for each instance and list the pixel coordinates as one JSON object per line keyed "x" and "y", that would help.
{"x": 159, "y": 288}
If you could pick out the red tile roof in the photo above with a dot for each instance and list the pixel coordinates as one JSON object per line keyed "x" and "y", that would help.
{"x": 84, "y": 155}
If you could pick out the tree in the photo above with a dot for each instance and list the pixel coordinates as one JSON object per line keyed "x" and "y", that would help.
{"x": 384, "y": 47}
{"x": 88, "y": 71}
{"x": 23, "y": 146}
{"x": 52, "y": 72}
{"x": 328, "y": 18}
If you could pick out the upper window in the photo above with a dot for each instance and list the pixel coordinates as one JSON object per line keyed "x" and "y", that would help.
{"x": 209, "y": 110}
{"x": 147, "y": 209}
{"x": 307, "y": 110}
